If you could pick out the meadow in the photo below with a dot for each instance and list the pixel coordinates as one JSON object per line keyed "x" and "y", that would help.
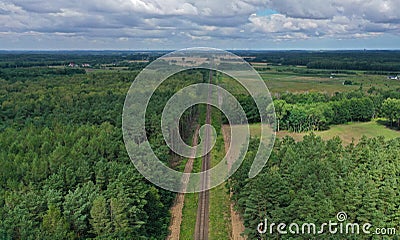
{"x": 348, "y": 133}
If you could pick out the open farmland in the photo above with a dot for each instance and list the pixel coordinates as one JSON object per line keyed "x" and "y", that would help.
{"x": 299, "y": 79}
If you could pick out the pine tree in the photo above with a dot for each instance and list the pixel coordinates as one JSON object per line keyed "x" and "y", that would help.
{"x": 119, "y": 217}
{"x": 54, "y": 225}
{"x": 77, "y": 207}
{"x": 100, "y": 217}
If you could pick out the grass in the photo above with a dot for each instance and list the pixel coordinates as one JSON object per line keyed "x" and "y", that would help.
{"x": 346, "y": 132}
{"x": 356, "y": 130}
{"x": 189, "y": 213}
{"x": 220, "y": 224}
{"x": 279, "y": 82}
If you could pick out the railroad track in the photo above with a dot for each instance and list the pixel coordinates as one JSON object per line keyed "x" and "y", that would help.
{"x": 201, "y": 231}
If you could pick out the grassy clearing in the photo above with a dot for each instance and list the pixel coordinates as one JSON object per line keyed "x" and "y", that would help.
{"x": 278, "y": 80}
{"x": 279, "y": 83}
{"x": 346, "y": 132}
{"x": 357, "y": 130}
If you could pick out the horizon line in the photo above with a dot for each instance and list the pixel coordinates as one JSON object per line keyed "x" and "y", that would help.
{"x": 171, "y": 50}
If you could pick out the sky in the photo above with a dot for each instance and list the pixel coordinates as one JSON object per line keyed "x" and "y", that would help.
{"x": 177, "y": 24}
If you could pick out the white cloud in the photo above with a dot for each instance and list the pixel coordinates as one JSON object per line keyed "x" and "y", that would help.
{"x": 372, "y": 10}
{"x": 204, "y": 20}
{"x": 330, "y": 18}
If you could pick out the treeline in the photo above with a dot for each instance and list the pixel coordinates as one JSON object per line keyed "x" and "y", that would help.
{"x": 317, "y": 111}
{"x": 65, "y": 172}
{"x": 319, "y": 116}
{"x": 313, "y": 180}
{"x": 25, "y": 59}
{"x": 323, "y": 72}
{"x": 24, "y": 74}
{"x": 334, "y": 60}
{"x": 354, "y": 65}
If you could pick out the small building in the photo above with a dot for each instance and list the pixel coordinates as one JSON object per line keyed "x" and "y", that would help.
{"x": 72, "y": 64}
{"x": 393, "y": 77}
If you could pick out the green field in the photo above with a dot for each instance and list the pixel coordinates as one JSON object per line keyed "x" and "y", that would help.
{"x": 346, "y": 132}
{"x": 282, "y": 82}
{"x": 278, "y": 83}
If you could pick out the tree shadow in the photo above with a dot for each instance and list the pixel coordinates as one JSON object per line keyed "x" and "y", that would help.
{"x": 387, "y": 124}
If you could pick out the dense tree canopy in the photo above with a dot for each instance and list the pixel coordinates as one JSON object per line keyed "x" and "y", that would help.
{"x": 313, "y": 180}
{"x": 65, "y": 172}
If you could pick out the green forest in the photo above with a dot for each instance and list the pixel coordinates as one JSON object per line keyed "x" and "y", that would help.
{"x": 65, "y": 172}
{"x": 313, "y": 180}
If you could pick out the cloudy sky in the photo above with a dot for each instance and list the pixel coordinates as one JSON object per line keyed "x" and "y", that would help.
{"x": 176, "y": 24}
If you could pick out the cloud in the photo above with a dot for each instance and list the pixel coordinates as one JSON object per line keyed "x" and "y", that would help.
{"x": 329, "y": 18}
{"x": 373, "y": 10}
{"x": 206, "y": 20}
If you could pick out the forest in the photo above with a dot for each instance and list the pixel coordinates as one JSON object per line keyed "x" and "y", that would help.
{"x": 26, "y": 59}
{"x": 65, "y": 172}
{"x": 313, "y": 180}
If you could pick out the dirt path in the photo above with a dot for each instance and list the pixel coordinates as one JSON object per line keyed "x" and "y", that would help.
{"x": 237, "y": 223}
{"x": 176, "y": 210}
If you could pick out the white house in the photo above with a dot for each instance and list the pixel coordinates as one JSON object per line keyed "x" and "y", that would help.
{"x": 394, "y": 77}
